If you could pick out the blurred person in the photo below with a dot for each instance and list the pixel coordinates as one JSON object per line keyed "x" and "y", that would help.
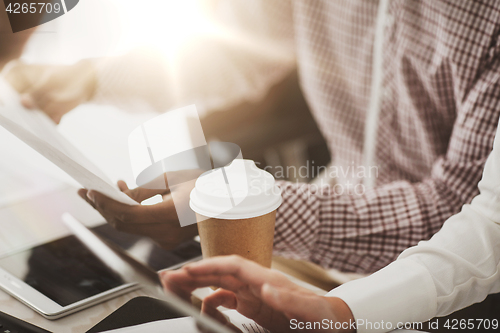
{"x": 437, "y": 96}
{"x": 458, "y": 266}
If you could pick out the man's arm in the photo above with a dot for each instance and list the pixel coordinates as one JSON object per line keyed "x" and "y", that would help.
{"x": 458, "y": 266}
{"x": 363, "y": 233}
{"x": 249, "y": 48}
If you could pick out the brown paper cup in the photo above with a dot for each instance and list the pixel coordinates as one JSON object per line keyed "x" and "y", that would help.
{"x": 250, "y": 238}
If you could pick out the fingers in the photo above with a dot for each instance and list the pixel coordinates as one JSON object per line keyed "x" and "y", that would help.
{"x": 122, "y": 185}
{"x": 39, "y": 94}
{"x": 114, "y": 212}
{"x": 38, "y": 99}
{"x": 174, "y": 286}
{"x": 83, "y": 194}
{"x": 158, "y": 222}
{"x": 158, "y": 213}
{"x": 220, "y": 297}
{"x": 55, "y": 109}
{"x": 235, "y": 294}
{"x": 181, "y": 282}
{"x": 104, "y": 203}
{"x": 22, "y": 76}
{"x": 130, "y": 218}
{"x": 215, "y": 314}
{"x": 306, "y": 306}
{"x": 27, "y": 101}
{"x": 140, "y": 194}
{"x": 244, "y": 270}
{"x": 231, "y": 273}
{"x": 55, "y": 90}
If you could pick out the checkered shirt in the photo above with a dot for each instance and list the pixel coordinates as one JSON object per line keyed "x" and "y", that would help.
{"x": 439, "y": 113}
{"x": 439, "y": 110}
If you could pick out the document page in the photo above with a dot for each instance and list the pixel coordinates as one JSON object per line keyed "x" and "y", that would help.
{"x": 188, "y": 325}
{"x": 36, "y": 130}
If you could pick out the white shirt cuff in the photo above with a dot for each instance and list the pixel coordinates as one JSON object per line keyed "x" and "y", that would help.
{"x": 402, "y": 292}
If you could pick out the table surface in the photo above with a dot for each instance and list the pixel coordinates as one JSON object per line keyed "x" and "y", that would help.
{"x": 23, "y": 162}
{"x": 85, "y": 319}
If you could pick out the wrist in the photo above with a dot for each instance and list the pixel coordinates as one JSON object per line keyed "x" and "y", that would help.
{"x": 342, "y": 313}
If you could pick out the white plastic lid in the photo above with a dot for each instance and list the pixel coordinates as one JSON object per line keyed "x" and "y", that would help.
{"x": 240, "y": 190}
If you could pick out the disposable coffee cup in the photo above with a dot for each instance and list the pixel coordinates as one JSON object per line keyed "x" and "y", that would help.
{"x": 235, "y": 209}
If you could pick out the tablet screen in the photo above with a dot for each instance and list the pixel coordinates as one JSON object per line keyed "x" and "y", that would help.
{"x": 64, "y": 270}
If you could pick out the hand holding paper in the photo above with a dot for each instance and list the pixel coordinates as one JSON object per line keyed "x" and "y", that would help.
{"x": 158, "y": 222}
{"x": 53, "y": 89}
{"x": 36, "y": 130}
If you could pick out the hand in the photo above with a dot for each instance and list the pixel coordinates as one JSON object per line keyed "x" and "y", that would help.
{"x": 159, "y": 221}
{"x": 259, "y": 293}
{"x": 55, "y": 90}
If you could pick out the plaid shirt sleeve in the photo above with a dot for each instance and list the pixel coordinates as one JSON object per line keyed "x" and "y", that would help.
{"x": 363, "y": 233}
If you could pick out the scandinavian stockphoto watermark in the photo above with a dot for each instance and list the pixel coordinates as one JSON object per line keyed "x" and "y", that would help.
{"x": 328, "y": 324}
{"x": 309, "y": 171}
{"x": 446, "y": 324}
{"x": 332, "y": 180}
{"x": 170, "y": 153}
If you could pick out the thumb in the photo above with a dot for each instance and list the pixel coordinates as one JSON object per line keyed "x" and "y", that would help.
{"x": 140, "y": 194}
{"x": 219, "y": 297}
{"x": 27, "y": 101}
{"x": 222, "y": 297}
{"x": 104, "y": 203}
{"x": 37, "y": 93}
{"x": 122, "y": 186}
{"x": 20, "y": 75}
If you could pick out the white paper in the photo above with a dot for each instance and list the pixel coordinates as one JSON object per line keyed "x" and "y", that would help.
{"x": 245, "y": 324}
{"x": 180, "y": 325}
{"x": 188, "y": 325}
{"x": 37, "y": 130}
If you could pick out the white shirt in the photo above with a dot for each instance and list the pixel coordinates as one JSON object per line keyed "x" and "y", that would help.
{"x": 458, "y": 266}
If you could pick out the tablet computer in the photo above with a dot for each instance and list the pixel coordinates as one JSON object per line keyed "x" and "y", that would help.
{"x": 45, "y": 266}
{"x": 60, "y": 277}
